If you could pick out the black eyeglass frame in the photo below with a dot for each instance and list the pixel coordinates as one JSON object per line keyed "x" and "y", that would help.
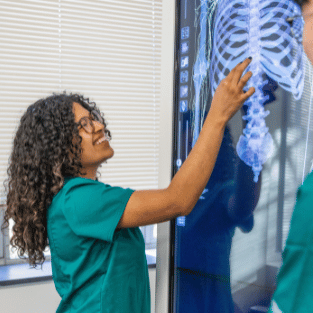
{"x": 86, "y": 122}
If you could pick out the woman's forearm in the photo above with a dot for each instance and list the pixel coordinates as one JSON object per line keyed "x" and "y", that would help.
{"x": 189, "y": 182}
{"x": 148, "y": 207}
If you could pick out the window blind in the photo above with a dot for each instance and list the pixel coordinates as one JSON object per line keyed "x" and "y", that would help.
{"x": 109, "y": 51}
{"x": 299, "y": 152}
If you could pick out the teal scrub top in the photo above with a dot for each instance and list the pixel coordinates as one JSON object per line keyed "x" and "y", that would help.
{"x": 96, "y": 268}
{"x": 294, "y": 292}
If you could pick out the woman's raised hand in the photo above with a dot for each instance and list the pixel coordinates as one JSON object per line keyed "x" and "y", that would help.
{"x": 229, "y": 95}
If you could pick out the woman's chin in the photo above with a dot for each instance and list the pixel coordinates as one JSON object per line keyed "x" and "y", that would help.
{"x": 110, "y": 155}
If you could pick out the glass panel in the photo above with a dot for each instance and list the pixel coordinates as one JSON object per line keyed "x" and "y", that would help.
{"x": 228, "y": 250}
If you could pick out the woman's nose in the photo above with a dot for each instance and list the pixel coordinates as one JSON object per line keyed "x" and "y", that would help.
{"x": 98, "y": 126}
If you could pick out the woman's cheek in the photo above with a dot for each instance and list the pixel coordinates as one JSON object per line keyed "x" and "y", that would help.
{"x": 308, "y": 40}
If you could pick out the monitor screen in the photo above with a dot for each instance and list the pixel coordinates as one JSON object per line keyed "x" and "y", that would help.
{"x": 227, "y": 251}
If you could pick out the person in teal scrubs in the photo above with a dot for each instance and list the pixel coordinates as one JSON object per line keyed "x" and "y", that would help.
{"x": 96, "y": 268}
{"x": 54, "y": 197}
{"x": 295, "y": 279}
{"x": 294, "y": 289}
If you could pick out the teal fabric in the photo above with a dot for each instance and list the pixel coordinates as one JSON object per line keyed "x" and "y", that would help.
{"x": 295, "y": 279}
{"x": 96, "y": 268}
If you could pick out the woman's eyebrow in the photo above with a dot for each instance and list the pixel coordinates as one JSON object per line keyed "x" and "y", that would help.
{"x": 88, "y": 116}
{"x": 84, "y": 117}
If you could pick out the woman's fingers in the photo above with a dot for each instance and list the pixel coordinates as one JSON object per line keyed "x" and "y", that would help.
{"x": 248, "y": 94}
{"x": 237, "y": 71}
{"x": 243, "y": 81}
{"x": 229, "y": 96}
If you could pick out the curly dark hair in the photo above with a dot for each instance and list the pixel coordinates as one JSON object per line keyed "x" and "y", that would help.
{"x": 43, "y": 154}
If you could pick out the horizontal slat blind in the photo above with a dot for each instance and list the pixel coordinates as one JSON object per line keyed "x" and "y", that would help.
{"x": 299, "y": 150}
{"x": 109, "y": 51}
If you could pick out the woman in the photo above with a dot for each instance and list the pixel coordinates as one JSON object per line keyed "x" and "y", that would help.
{"x": 97, "y": 250}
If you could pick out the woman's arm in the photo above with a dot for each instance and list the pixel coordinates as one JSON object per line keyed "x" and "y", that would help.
{"x": 154, "y": 206}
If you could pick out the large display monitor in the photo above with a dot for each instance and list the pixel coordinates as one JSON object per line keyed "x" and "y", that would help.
{"x": 227, "y": 252}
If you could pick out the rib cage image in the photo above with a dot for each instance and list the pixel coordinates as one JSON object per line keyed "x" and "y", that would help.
{"x": 259, "y": 29}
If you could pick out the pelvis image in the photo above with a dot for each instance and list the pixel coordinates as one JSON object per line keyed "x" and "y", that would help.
{"x": 230, "y": 32}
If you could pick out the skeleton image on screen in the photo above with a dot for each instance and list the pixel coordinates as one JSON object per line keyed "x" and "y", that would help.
{"x": 258, "y": 29}
{"x": 244, "y": 28}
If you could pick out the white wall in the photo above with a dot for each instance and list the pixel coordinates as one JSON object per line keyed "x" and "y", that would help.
{"x": 42, "y": 297}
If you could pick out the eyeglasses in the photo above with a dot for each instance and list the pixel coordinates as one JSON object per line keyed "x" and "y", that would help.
{"x": 87, "y": 122}
{"x": 296, "y": 27}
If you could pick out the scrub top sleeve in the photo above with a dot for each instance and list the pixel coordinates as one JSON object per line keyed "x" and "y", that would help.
{"x": 93, "y": 209}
